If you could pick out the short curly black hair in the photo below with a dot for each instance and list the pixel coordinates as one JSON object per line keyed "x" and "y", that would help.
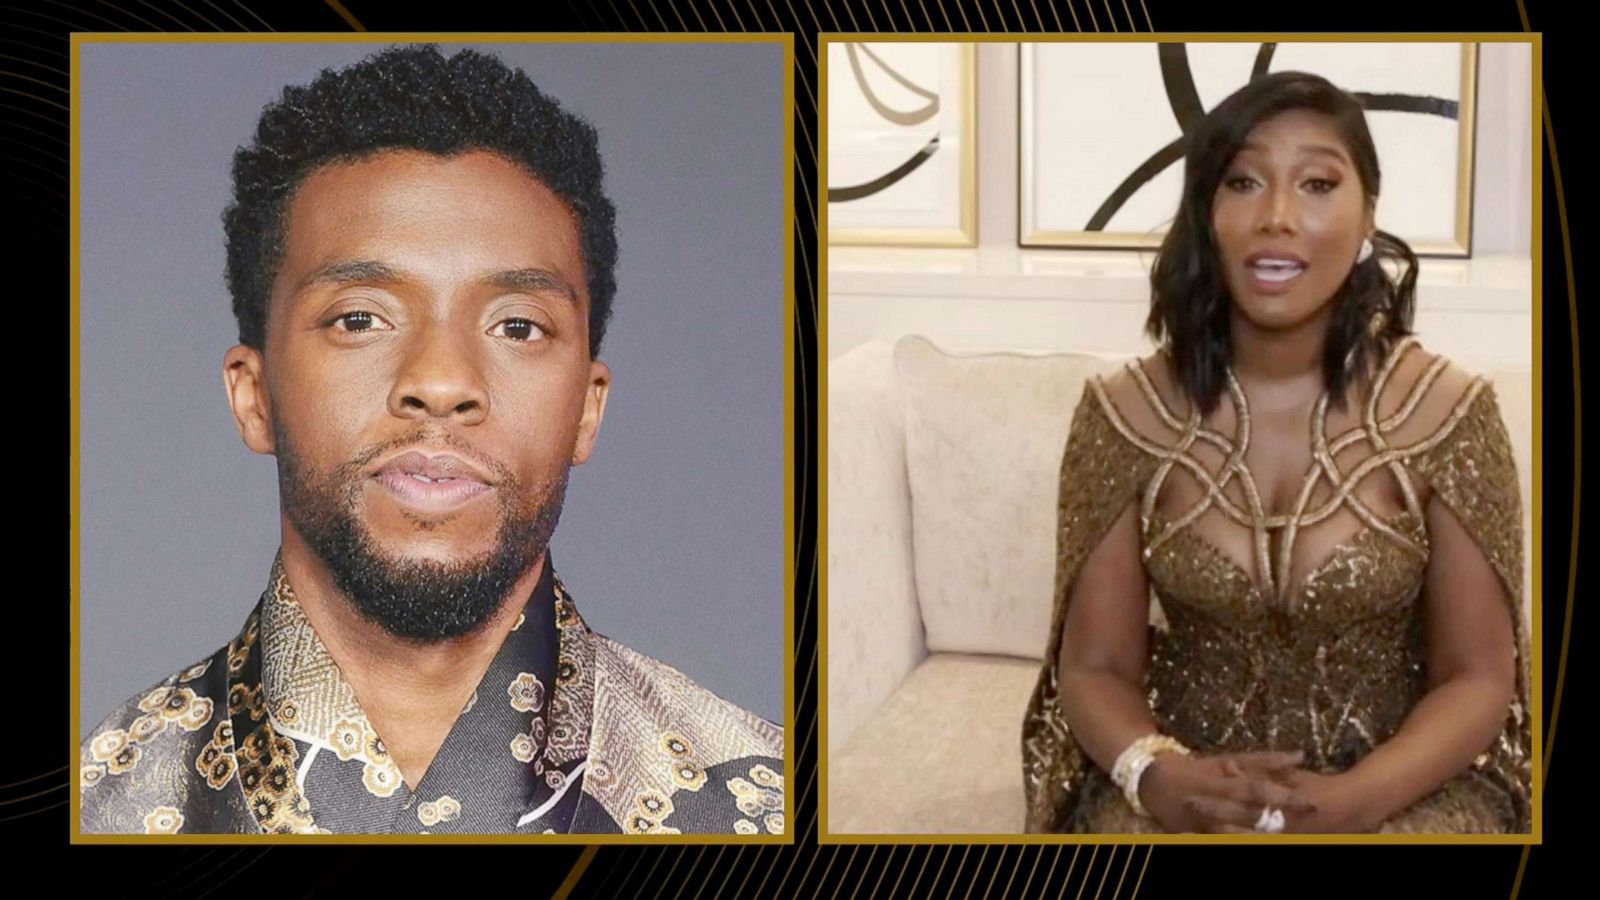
{"x": 411, "y": 98}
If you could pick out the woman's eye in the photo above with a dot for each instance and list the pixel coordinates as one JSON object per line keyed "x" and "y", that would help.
{"x": 1238, "y": 182}
{"x": 518, "y": 330}
{"x": 1321, "y": 185}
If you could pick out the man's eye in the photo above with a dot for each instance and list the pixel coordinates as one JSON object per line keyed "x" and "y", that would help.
{"x": 518, "y": 330}
{"x": 357, "y": 321}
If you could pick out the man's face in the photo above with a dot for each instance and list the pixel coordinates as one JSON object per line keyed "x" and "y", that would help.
{"x": 426, "y": 381}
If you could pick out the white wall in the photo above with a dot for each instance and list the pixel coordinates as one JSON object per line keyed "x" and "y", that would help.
{"x": 1502, "y": 203}
{"x": 998, "y": 296}
{"x": 1501, "y": 198}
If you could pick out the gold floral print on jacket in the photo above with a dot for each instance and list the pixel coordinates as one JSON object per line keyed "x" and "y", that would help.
{"x": 266, "y": 736}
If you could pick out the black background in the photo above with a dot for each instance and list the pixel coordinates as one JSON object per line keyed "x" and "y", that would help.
{"x": 35, "y": 770}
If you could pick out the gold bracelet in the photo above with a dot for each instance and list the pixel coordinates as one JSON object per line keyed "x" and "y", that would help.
{"x": 1132, "y": 762}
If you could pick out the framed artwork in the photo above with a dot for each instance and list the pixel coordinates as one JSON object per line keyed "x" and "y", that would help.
{"x": 1102, "y": 129}
{"x": 900, "y": 142}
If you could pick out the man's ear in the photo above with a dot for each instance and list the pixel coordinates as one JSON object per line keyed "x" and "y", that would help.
{"x": 245, "y": 381}
{"x": 594, "y": 409}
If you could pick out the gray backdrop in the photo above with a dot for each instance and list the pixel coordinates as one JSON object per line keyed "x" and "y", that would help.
{"x": 671, "y": 539}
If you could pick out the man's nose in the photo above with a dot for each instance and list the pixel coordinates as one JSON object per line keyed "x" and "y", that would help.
{"x": 440, "y": 377}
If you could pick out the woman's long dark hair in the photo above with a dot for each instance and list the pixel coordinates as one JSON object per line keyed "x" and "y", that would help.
{"x": 1190, "y": 302}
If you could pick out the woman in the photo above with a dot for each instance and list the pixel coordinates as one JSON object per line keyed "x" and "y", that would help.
{"x": 1326, "y": 514}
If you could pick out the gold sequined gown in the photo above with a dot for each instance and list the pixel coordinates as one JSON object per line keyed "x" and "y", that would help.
{"x": 1300, "y": 630}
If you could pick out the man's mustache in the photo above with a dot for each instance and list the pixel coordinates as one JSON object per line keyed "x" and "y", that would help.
{"x": 433, "y": 438}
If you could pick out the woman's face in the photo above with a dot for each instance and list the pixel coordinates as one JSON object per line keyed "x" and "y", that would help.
{"x": 1289, "y": 216}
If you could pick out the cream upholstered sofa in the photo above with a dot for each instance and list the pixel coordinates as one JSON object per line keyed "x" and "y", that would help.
{"x": 942, "y": 479}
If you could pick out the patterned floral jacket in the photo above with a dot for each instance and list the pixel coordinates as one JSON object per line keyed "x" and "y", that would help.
{"x": 569, "y": 732}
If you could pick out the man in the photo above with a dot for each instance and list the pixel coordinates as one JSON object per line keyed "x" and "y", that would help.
{"x": 421, "y": 259}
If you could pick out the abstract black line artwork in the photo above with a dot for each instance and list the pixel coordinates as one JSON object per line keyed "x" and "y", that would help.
{"x": 1185, "y": 101}
{"x": 1432, "y": 82}
{"x": 846, "y": 193}
{"x": 867, "y": 189}
{"x": 914, "y": 117}
{"x": 899, "y": 143}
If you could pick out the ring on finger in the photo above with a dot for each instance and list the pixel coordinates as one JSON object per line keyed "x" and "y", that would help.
{"x": 1271, "y": 821}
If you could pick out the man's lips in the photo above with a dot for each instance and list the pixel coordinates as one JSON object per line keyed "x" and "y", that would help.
{"x": 432, "y": 483}
{"x": 443, "y": 467}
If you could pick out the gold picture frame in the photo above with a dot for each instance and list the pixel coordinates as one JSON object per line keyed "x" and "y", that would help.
{"x": 1031, "y": 233}
{"x": 963, "y": 232}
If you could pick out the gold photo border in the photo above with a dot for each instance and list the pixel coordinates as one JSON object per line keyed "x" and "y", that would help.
{"x": 1542, "y": 139}
{"x": 965, "y": 234}
{"x": 1459, "y": 246}
{"x": 786, "y": 40}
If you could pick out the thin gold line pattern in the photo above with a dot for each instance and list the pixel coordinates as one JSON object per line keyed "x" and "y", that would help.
{"x": 732, "y": 865}
{"x": 1577, "y": 439}
{"x": 238, "y": 25}
{"x": 149, "y": 26}
{"x": 806, "y": 684}
{"x": 180, "y": 24}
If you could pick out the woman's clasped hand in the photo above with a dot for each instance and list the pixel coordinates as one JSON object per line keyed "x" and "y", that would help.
{"x": 1247, "y": 793}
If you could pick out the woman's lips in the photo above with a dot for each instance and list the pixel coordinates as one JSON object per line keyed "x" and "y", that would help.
{"x": 1269, "y": 275}
{"x": 430, "y": 495}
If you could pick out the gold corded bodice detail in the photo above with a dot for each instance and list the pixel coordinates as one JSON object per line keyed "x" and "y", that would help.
{"x": 1331, "y": 665}
{"x": 1273, "y": 573}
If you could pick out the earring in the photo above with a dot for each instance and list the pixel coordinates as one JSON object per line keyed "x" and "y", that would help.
{"x": 1366, "y": 250}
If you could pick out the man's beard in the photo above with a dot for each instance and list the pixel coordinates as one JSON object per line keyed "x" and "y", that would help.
{"x": 422, "y": 601}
